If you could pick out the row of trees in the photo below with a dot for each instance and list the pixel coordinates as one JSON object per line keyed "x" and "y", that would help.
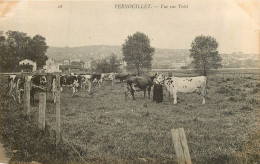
{"x": 16, "y": 46}
{"x": 138, "y": 53}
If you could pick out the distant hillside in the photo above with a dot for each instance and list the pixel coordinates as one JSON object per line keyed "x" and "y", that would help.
{"x": 99, "y": 51}
{"x": 83, "y": 53}
{"x": 161, "y": 56}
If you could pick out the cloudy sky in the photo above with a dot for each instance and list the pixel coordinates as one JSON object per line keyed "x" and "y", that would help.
{"x": 234, "y": 24}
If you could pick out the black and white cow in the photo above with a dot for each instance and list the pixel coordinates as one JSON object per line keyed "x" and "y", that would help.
{"x": 136, "y": 83}
{"x": 38, "y": 83}
{"x": 70, "y": 80}
{"x": 96, "y": 78}
{"x": 86, "y": 81}
{"x": 184, "y": 85}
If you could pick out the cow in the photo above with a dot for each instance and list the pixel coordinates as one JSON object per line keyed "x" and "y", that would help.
{"x": 16, "y": 86}
{"x": 86, "y": 80}
{"x": 137, "y": 83}
{"x": 108, "y": 76}
{"x": 38, "y": 83}
{"x": 96, "y": 78}
{"x": 184, "y": 85}
{"x": 12, "y": 80}
{"x": 69, "y": 80}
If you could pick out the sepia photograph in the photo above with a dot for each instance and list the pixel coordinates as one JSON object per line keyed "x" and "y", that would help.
{"x": 121, "y": 81}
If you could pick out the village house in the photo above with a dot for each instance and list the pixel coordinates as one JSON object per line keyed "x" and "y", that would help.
{"x": 51, "y": 66}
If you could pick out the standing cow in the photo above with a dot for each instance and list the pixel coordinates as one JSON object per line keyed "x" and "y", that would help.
{"x": 184, "y": 85}
{"x": 137, "y": 83}
{"x": 96, "y": 78}
{"x": 86, "y": 81}
{"x": 70, "y": 80}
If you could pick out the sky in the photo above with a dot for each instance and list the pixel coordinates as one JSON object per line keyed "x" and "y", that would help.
{"x": 234, "y": 23}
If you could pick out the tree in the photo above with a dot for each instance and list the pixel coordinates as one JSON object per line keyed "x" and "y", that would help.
{"x": 38, "y": 48}
{"x": 138, "y": 53}
{"x": 106, "y": 65}
{"x": 3, "y": 56}
{"x": 17, "y": 46}
{"x": 114, "y": 63}
{"x": 205, "y": 54}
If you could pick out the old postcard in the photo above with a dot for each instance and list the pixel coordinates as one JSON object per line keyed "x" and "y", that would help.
{"x": 169, "y": 81}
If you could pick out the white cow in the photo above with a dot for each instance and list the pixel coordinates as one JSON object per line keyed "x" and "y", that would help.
{"x": 12, "y": 85}
{"x": 184, "y": 85}
{"x": 86, "y": 80}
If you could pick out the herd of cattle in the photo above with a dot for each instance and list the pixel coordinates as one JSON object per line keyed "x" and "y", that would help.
{"x": 133, "y": 83}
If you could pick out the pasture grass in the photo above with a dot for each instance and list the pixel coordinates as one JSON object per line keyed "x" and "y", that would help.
{"x": 105, "y": 128}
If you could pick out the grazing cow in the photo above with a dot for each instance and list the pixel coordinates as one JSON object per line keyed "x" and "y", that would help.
{"x": 16, "y": 86}
{"x": 108, "y": 76}
{"x": 70, "y": 80}
{"x": 96, "y": 78}
{"x": 86, "y": 80}
{"x": 38, "y": 83}
{"x": 135, "y": 83}
{"x": 184, "y": 85}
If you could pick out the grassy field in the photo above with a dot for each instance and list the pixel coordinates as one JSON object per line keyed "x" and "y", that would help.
{"x": 105, "y": 128}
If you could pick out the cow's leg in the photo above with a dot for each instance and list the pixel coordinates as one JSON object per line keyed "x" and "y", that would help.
{"x": 174, "y": 97}
{"x": 61, "y": 88}
{"x": 149, "y": 91}
{"x": 19, "y": 96}
{"x": 99, "y": 84}
{"x": 73, "y": 89}
{"x": 89, "y": 86}
{"x": 133, "y": 94}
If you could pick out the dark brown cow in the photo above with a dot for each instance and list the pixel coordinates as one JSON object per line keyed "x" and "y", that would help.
{"x": 136, "y": 83}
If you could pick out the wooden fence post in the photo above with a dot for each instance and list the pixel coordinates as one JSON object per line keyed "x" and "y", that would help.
{"x": 180, "y": 146}
{"x": 49, "y": 82}
{"x": 42, "y": 107}
{"x": 57, "y": 95}
{"x": 27, "y": 89}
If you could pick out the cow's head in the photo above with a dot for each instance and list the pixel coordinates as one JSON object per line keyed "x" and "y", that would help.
{"x": 11, "y": 78}
{"x": 29, "y": 78}
{"x": 159, "y": 79}
{"x": 76, "y": 83}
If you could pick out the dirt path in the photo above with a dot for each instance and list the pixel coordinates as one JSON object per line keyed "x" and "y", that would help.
{"x": 3, "y": 158}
